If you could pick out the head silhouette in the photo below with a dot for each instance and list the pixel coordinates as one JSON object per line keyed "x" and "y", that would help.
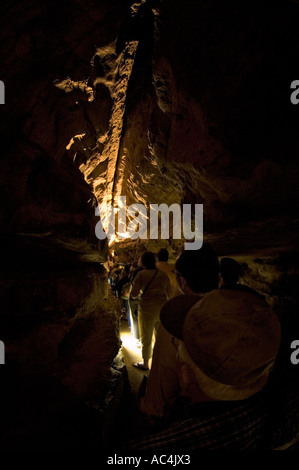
{"x": 148, "y": 260}
{"x": 199, "y": 269}
{"x": 162, "y": 255}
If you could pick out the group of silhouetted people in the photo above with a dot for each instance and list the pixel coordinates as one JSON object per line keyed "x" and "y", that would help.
{"x": 215, "y": 350}
{"x": 143, "y": 288}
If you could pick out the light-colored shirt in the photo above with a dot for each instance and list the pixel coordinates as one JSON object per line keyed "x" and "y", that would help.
{"x": 168, "y": 269}
{"x": 159, "y": 289}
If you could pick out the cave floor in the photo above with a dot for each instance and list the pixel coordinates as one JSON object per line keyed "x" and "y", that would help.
{"x": 36, "y": 414}
{"x": 130, "y": 422}
{"x": 131, "y": 353}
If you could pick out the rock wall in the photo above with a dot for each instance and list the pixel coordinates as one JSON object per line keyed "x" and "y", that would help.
{"x": 59, "y": 322}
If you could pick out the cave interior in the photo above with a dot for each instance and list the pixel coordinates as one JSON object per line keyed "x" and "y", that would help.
{"x": 160, "y": 101}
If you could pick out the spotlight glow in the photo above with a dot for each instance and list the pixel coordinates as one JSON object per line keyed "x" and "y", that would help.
{"x": 130, "y": 343}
